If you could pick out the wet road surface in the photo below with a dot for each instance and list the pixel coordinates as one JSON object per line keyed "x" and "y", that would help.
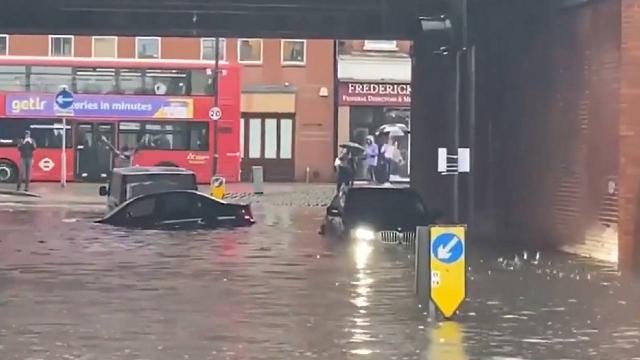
{"x": 70, "y": 289}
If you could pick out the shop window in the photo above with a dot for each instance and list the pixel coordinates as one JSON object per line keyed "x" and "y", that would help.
{"x": 255, "y": 138}
{"x": 4, "y": 44}
{"x": 61, "y": 46}
{"x": 270, "y": 138}
{"x": 294, "y": 52}
{"x": 242, "y": 138}
{"x": 208, "y": 49}
{"x": 105, "y": 47}
{"x": 286, "y": 138}
{"x": 148, "y": 48}
{"x": 250, "y": 51}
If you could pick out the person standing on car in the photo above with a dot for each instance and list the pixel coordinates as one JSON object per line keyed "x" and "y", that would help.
{"x": 124, "y": 156}
{"x": 26, "y": 147}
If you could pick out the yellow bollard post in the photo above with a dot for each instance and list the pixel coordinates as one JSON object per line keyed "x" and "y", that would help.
{"x": 217, "y": 189}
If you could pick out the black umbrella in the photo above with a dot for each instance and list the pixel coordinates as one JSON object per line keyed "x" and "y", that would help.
{"x": 352, "y": 146}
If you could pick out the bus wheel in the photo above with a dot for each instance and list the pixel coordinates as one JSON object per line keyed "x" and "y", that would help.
{"x": 8, "y": 172}
{"x": 167, "y": 164}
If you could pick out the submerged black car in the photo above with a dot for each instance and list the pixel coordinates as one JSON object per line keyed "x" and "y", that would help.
{"x": 166, "y": 198}
{"x": 368, "y": 212}
{"x": 179, "y": 209}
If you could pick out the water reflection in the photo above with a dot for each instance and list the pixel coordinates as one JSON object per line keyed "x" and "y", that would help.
{"x": 361, "y": 333}
{"x": 446, "y": 342}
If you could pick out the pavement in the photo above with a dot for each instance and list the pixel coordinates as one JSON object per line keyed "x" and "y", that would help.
{"x": 284, "y": 194}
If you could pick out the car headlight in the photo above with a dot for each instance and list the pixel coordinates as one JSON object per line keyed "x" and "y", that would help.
{"x": 364, "y": 234}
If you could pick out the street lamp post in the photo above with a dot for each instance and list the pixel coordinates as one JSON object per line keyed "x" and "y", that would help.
{"x": 216, "y": 103}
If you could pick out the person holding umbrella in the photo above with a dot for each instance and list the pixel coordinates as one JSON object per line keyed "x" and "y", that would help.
{"x": 345, "y": 164}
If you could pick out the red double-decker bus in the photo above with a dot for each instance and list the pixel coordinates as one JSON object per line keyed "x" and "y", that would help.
{"x": 162, "y": 108}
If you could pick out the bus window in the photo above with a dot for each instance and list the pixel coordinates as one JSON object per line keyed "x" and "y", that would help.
{"x": 95, "y": 81}
{"x": 49, "y": 135}
{"x": 201, "y": 83}
{"x": 166, "y": 82}
{"x": 130, "y": 82}
{"x": 48, "y": 79}
{"x": 129, "y": 134}
{"x": 13, "y": 78}
{"x": 163, "y": 136}
{"x": 199, "y": 137}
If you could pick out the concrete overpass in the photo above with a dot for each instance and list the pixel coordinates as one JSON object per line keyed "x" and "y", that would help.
{"x": 546, "y": 93}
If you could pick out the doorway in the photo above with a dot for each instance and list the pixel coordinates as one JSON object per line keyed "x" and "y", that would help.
{"x": 94, "y": 160}
{"x": 267, "y": 140}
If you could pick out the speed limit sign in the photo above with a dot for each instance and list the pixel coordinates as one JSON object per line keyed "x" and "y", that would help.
{"x": 215, "y": 113}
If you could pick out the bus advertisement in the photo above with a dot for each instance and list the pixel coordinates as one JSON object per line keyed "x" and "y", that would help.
{"x": 159, "y": 108}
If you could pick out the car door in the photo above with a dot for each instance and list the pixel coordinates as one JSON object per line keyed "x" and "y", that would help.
{"x": 140, "y": 212}
{"x": 179, "y": 209}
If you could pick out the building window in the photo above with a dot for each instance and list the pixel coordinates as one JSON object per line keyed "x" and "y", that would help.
{"x": 4, "y": 44}
{"x": 105, "y": 46}
{"x": 381, "y": 45}
{"x": 255, "y": 138}
{"x": 286, "y": 138}
{"x": 250, "y": 51}
{"x": 148, "y": 48}
{"x": 61, "y": 46}
{"x": 294, "y": 52}
{"x": 208, "y": 49}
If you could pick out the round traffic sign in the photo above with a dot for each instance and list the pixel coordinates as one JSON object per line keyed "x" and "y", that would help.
{"x": 215, "y": 113}
{"x": 447, "y": 248}
{"x": 64, "y": 99}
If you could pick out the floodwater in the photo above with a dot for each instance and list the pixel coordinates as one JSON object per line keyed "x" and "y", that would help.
{"x": 70, "y": 289}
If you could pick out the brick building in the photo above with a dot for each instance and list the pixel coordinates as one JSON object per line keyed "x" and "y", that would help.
{"x": 287, "y": 100}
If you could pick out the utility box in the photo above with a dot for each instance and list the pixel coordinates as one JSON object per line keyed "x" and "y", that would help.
{"x": 257, "y": 174}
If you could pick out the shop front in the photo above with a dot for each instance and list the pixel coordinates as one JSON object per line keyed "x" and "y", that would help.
{"x": 364, "y": 107}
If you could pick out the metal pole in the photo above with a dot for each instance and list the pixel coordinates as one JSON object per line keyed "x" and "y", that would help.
{"x": 63, "y": 154}
{"x": 456, "y": 140}
{"x": 423, "y": 264}
{"x": 216, "y": 103}
{"x": 472, "y": 129}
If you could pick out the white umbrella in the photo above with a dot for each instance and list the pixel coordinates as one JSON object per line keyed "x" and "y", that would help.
{"x": 393, "y": 130}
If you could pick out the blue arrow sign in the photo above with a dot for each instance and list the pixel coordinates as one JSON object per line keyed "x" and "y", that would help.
{"x": 447, "y": 248}
{"x": 64, "y": 99}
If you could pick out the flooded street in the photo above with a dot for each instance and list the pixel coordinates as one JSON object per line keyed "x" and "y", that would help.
{"x": 70, "y": 289}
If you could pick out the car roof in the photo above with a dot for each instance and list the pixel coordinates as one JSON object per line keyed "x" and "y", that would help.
{"x": 367, "y": 185}
{"x": 138, "y": 170}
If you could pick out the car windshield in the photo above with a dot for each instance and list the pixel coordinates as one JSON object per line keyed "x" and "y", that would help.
{"x": 142, "y": 184}
{"x": 385, "y": 208}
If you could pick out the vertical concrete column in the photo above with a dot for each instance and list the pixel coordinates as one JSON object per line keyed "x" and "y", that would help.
{"x": 629, "y": 176}
{"x": 432, "y": 119}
